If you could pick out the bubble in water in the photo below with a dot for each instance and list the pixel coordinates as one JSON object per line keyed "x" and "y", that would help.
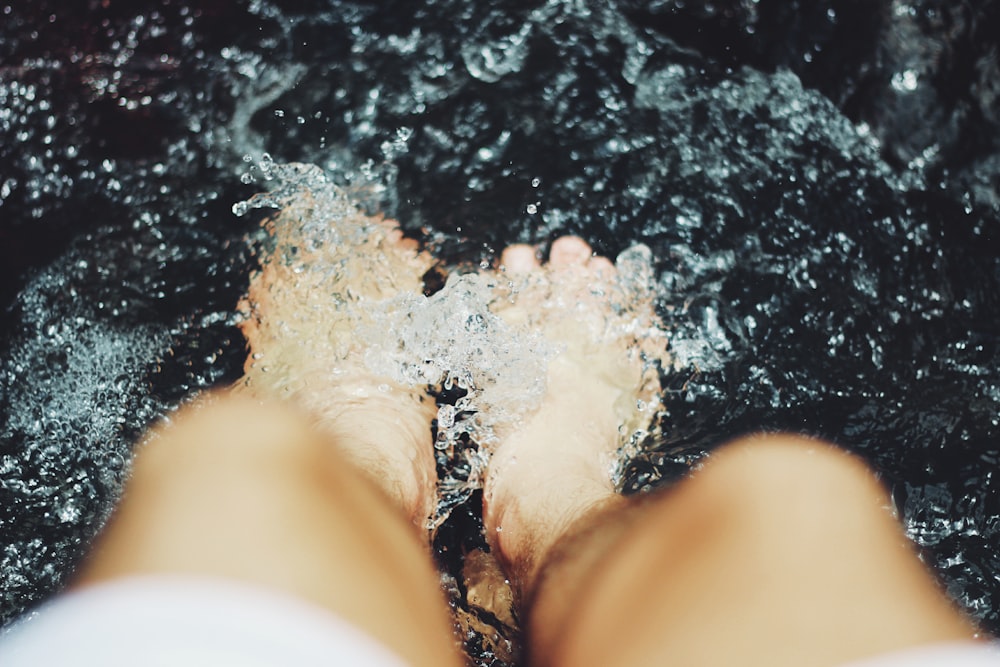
{"x": 446, "y": 416}
{"x": 492, "y": 61}
{"x": 69, "y": 512}
{"x": 905, "y": 81}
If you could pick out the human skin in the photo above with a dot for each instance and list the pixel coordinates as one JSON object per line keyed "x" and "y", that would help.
{"x": 780, "y": 551}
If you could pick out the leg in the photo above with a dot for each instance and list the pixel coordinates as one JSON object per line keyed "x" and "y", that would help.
{"x": 246, "y": 491}
{"x": 781, "y": 551}
{"x": 328, "y": 503}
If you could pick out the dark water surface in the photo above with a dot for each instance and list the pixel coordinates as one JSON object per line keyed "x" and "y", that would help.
{"x": 819, "y": 181}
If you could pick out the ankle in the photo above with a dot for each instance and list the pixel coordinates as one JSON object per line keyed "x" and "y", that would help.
{"x": 387, "y": 438}
{"x": 551, "y": 472}
{"x": 528, "y": 514}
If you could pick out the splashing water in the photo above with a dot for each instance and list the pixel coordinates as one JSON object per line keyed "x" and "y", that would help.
{"x": 453, "y": 340}
{"x": 133, "y": 117}
{"x": 338, "y": 297}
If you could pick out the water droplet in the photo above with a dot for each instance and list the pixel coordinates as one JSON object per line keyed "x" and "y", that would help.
{"x": 905, "y": 81}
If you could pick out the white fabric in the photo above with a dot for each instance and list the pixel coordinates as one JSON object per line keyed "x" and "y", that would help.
{"x": 186, "y": 622}
{"x": 950, "y": 654}
{"x": 181, "y": 621}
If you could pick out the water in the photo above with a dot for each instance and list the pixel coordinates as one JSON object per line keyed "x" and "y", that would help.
{"x": 334, "y": 306}
{"x": 818, "y": 184}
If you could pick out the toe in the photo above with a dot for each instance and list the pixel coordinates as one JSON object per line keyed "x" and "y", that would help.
{"x": 602, "y": 266}
{"x": 519, "y": 258}
{"x": 569, "y": 251}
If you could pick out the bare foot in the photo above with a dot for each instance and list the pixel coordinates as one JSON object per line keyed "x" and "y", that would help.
{"x": 556, "y": 467}
{"x": 304, "y": 309}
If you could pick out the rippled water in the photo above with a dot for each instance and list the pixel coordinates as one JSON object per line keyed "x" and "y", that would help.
{"x": 819, "y": 182}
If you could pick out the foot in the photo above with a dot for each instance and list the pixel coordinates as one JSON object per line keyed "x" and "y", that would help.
{"x": 556, "y": 467}
{"x": 303, "y": 312}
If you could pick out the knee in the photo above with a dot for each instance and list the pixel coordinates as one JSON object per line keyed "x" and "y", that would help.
{"x": 791, "y": 482}
{"x": 224, "y": 432}
{"x": 787, "y": 462}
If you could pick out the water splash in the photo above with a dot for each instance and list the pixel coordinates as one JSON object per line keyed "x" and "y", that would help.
{"x": 337, "y": 298}
{"x": 340, "y": 303}
{"x": 452, "y": 340}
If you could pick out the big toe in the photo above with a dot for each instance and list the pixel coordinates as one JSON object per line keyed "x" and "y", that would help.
{"x": 519, "y": 258}
{"x": 569, "y": 251}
